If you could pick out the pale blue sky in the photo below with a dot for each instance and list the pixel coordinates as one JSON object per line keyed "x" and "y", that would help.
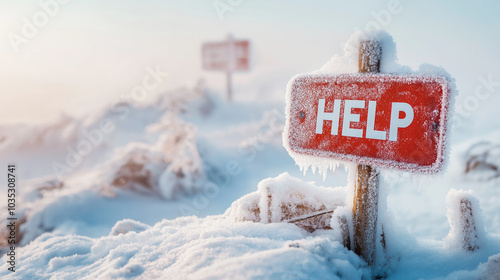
{"x": 90, "y": 52}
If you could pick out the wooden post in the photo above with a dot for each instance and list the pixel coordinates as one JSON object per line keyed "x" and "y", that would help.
{"x": 370, "y": 54}
{"x": 229, "y": 86}
{"x": 365, "y": 205}
{"x": 231, "y": 66}
{"x": 365, "y": 212}
{"x": 470, "y": 240}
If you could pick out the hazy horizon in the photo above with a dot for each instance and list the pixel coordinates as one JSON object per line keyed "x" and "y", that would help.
{"x": 90, "y": 53}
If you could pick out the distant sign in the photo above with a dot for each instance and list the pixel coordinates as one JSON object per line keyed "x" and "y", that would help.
{"x": 229, "y": 56}
{"x": 396, "y": 121}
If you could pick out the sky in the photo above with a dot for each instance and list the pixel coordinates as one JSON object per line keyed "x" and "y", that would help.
{"x": 87, "y": 54}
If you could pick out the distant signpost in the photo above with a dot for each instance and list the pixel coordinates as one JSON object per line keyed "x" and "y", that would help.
{"x": 375, "y": 120}
{"x": 228, "y": 56}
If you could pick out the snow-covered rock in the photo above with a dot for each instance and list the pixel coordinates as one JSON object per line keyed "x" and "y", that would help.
{"x": 288, "y": 199}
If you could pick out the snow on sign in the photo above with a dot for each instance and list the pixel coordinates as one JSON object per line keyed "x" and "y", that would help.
{"x": 395, "y": 121}
{"x": 230, "y": 55}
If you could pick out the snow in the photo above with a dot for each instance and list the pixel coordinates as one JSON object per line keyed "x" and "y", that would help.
{"x": 487, "y": 271}
{"x": 238, "y": 245}
{"x": 190, "y": 247}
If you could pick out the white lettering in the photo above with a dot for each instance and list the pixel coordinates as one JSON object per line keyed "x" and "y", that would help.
{"x": 350, "y": 117}
{"x": 396, "y": 122}
{"x": 370, "y": 129}
{"x": 324, "y": 116}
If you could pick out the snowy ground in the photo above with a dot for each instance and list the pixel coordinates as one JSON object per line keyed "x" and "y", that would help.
{"x": 166, "y": 190}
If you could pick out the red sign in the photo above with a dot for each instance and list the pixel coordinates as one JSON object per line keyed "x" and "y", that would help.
{"x": 395, "y": 121}
{"x": 231, "y": 55}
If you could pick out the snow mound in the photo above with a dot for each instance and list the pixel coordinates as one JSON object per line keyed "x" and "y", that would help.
{"x": 128, "y": 225}
{"x": 485, "y": 271}
{"x": 491, "y": 269}
{"x": 191, "y": 248}
{"x": 288, "y": 199}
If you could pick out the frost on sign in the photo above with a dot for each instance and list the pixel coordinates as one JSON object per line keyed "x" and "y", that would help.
{"x": 385, "y": 120}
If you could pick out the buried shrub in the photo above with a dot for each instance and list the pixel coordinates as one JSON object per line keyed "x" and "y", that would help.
{"x": 482, "y": 160}
{"x": 172, "y": 166}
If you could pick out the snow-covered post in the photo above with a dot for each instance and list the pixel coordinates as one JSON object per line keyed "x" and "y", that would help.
{"x": 365, "y": 205}
{"x": 470, "y": 238}
{"x": 466, "y": 227}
